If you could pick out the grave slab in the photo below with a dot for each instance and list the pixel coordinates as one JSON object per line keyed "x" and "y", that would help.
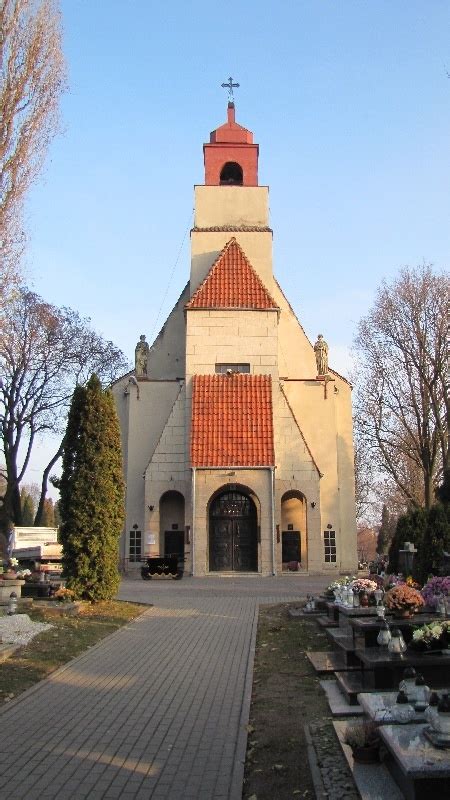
{"x": 328, "y": 661}
{"x": 338, "y": 704}
{"x": 420, "y": 769}
{"x": 374, "y": 781}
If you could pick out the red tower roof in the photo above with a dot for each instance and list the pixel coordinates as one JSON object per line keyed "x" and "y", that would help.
{"x": 232, "y": 283}
{"x": 231, "y": 157}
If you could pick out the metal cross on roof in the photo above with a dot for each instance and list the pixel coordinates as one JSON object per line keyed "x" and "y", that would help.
{"x": 230, "y": 86}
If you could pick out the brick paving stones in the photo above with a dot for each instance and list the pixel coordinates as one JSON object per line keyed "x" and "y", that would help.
{"x": 156, "y": 710}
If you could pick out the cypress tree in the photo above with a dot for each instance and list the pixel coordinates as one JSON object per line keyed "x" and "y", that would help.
{"x": 436, "y": 540}
{"x": 386, "y": 532}
{"x": 48, "y": 517}
{"x": 28, "y": 509}
{"x": 92, "y": 494}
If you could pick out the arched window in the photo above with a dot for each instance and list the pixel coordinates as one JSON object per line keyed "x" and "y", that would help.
{"x": 231, "y": 174}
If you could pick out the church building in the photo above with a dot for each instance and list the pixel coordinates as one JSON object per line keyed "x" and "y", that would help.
{"x": 237, "y": 435}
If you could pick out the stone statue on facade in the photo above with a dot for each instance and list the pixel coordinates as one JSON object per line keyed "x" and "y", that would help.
{"x": 321, "y": 353}
{"x": 141, "y": 357}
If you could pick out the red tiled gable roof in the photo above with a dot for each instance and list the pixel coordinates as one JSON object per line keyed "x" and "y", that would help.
{"x": 232, "y": 283}
{"x": 232, "y": 421}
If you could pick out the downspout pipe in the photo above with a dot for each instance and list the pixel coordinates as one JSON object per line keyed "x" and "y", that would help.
{"x": 193, "y": 522}
{"x": 272, "y": 497}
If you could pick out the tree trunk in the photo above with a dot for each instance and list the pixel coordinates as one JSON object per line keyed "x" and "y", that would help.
{"x": 429, "y": 491}
{"x": 40, "y": 509}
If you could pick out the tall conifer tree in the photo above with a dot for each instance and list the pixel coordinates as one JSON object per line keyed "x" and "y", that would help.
{"x": 92, "y": 494}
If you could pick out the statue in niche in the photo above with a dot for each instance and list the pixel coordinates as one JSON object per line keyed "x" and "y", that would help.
{"x": 321, "y": 353}
{"x": 141, "y": 357}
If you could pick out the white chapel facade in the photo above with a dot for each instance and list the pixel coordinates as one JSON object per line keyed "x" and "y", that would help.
{"x": 237, "y": 435}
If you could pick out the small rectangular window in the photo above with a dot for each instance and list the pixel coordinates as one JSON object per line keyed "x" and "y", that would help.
{"x": 222, "y": 369}
{"x": 329, "y": 542}
{"x": 135, "y": 545}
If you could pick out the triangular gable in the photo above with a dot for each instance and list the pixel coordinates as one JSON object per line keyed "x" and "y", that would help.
{"x": 232, "y": 283}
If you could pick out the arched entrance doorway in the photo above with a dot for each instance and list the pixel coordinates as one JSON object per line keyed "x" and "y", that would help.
{"x": 171, "y": 522}
{"x": 293, "y": 529}
{"x": 233, "y": 533}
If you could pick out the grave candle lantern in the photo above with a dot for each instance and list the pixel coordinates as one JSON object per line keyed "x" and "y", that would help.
{"x": 12, "y": 605}
{"x": 397, "y": 644}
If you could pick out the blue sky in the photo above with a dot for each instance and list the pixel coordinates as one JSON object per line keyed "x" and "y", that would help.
{"x": 349, "y": 101}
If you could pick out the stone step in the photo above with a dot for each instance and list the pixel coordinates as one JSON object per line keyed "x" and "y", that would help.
{"x": 296, "y": 611}
{"x": 374, "y": 781}
{"x": 338, "y": 703}
{"x": 326, "y": 622}
{"x": 343, "y": 643}
{"x": 351, "y": 683}
{"x": 328, "y": 662}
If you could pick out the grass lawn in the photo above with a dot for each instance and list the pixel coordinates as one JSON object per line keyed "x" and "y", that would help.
{"x": 286, "y": 695}
{"x": 69, "y": 637}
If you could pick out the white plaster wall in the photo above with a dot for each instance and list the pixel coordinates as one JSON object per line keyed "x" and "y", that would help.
{"x": 296, "y": 358}
{"x": 319, "y": 423}
{"x": 166, "y": 359}
{"x": 168, "y": 470}
{"x": 231, "y": 205}
{"x": 146, "y": 418}
{"x": 296, "y": 470}
{"x": 345, "y": 456}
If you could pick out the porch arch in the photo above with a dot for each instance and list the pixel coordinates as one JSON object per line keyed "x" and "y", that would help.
{"x": 233, "y": 530}
{"x": 171, "y": 523}
{"x": 294, "y": 541}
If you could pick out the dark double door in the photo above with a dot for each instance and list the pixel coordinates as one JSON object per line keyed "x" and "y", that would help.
{"x": 233, "y": 534}
{"x": 174, "y": 545}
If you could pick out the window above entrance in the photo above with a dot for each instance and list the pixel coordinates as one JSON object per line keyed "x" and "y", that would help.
{"x": 223, "y": 369}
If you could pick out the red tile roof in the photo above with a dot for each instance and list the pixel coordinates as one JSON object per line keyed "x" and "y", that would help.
{"x": 232, "y": 421}
{"x": 232, "y": 283}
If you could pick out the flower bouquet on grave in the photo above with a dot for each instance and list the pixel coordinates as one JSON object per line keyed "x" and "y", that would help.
{"x": 11, "y": 570}
{"x": 431, "y": 638}
{"x": 63, "y": 595}
{"x": 403, "y": 601}
{"x": 435, "y": 589}
{"x": 24, "y": 573}
{"x": 364, "y": 588}
{"x": 337, "y": 585}
{"x": 364, "y": 739}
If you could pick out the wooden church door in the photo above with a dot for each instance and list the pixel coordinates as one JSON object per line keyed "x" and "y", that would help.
{"x": 233, "y": 534}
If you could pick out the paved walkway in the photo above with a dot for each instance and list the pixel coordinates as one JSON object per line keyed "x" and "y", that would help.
{"x": 157, "y": 710}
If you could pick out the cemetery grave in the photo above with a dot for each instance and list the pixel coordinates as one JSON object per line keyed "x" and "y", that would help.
{"x": 388, "y": 672}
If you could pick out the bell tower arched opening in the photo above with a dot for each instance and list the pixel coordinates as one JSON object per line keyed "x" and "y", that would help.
{"x": 231, "y": 174}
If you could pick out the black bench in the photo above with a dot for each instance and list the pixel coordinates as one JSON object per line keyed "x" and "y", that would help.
{"x": 162, "y": 565}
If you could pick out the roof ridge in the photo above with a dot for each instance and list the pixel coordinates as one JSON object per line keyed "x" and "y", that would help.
{"x": 218, "y": 293}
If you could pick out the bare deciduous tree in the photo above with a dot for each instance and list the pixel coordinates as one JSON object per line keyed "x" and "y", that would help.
{"x": 32, "y": 75}
{"x": 402, "y": 404}
{"x": 44, "y": 353}
{"x": 364, "y": 499}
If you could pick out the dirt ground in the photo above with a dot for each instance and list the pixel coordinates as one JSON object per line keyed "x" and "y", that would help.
{"x": 286, "y": 695}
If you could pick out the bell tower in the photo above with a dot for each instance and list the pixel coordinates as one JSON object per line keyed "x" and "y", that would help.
{"x": 231, "y": 203}
{"x": 231, "y": 157}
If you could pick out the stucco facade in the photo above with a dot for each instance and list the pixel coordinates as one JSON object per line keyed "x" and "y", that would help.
{"x": 295, "y": 509}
